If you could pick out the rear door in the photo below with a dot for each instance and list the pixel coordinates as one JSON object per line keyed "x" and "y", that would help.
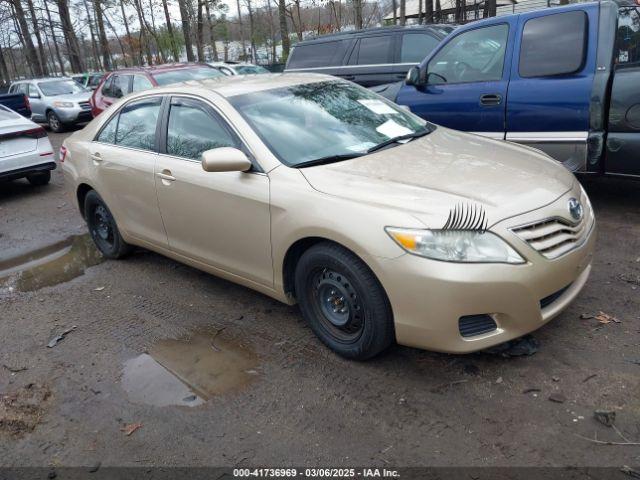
{"x": 623, "y": 138}
{"x": 370, "y": 62}
{"x": 551, "y": 82}
{"x": 467, "y": 79}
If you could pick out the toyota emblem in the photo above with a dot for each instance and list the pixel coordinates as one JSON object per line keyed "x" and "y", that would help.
{"x": 575, "y": 209}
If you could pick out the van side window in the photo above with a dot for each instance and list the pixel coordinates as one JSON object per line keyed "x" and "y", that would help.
{"x": 325, "y": 54}
{"x": 553, "y": 45}
{"x": 472, "y": 56}
{"x": 374, "y": 50}
{"x": 628, "y": 37}
{"x": 416, "y": 46}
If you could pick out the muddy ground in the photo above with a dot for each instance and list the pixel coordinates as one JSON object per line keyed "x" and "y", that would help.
{"x": 261, "y": 390}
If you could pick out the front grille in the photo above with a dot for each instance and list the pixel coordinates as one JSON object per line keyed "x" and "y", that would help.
{"x": 85, "y": 105}
{"x": 548, "y": 300}
{"x": 554, "y": 237}
{"x": 472, "y": 325}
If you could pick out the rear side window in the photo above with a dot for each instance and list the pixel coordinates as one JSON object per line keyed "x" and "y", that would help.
{"x": 141, "y": 83}
{"x": 194, "y": 129}
{"x": 325, "y": 54}
{"x": 553, "y": 45}
{"x": 137, "y": 124}
{"x": 416, "y": 46}
{"x": 374, "y": 50}
{"x": 628, "y": 36}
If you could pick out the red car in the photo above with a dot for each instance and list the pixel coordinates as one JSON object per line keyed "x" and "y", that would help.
{"x": 121, "y": 82}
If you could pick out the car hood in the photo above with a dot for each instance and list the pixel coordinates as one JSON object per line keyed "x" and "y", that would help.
{"x": 430, "y": 176}
{"x": 73, "y": 97}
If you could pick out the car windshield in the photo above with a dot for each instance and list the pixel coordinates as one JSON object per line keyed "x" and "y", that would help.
{"x": 60, "y": 87}
{"x": 325, "y": 120}
{"x": 184, "y": 74}
{"x": 250, "y": 69}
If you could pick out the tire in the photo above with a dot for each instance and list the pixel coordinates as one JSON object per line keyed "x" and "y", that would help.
{"x": 55, "y": 124}
{"x": 40, "y": 178}
{"x": 103, "y": 229}
{"x": 343, "y": 301}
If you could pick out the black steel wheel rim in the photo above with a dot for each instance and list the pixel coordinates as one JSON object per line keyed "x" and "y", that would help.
{"x": 102, "y": 229}
{"x": 337, "y": 305}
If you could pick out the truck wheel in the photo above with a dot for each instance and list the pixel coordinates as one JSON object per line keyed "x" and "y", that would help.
{"x": 40, "y": 178}
{"x": 55, "y": 124}
{"x": 343, "y": 302}
{"x": 103, "y": 229}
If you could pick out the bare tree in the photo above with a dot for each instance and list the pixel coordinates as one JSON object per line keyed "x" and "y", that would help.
{"x": 284, "y": 30}
{"x": 25, "y": 37}
{"x": 53, "y": 37}
{"x": 212, "y": 33}
{"x": 357, "y": 13}
{"x": 403, "y": 12}
{"x": 172, "y": 39}
{"x": 186, "y": 29}
{"x": 104, "y": 43}
{"x": 36, "y": 31}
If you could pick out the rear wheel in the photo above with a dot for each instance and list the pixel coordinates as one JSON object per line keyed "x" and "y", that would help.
{"x": 40, "y": 178}
{"x": 103, "y": 228}
{"x": 55, "y": 124}
{"x": 343, "y": 302}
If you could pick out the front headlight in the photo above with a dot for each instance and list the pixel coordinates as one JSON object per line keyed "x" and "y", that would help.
{"x": 465, "y": 246}
{"x": 63, "y": 104}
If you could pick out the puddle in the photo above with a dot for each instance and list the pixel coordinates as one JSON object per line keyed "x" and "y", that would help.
{"x": 48, "y": 266}
{"x": 188, "y": 372}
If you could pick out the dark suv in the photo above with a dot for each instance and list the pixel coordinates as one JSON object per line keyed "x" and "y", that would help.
{"x": 368, "y": 57}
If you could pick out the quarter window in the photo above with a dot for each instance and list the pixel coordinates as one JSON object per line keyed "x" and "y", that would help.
{"x": 374, "y": 50}
{"x": 108, "y": 132}
{"x": 553, "y": 45}
{"x": 141, "y": 83}
{"x": 193, "y": 128}
{"x": 416, "y": 46}
{"x": 137, "y": 124}
{"x": 473, "y": 56}
{"x": 628, "y": 37}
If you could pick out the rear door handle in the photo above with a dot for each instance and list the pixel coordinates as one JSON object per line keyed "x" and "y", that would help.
{"x": 166, "y": 175}
{"x": 96, "y": 157}
{"x": 491, "y": 99}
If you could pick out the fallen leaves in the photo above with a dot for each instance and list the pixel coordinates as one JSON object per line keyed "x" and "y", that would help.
{"x": 601, "y": 316}
{"x": 129, "y": 428}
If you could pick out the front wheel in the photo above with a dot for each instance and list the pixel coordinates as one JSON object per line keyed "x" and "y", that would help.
{"x": 55, "y": 124}
{"x": 343, "y": 302}
{"x": 103, "y": 228}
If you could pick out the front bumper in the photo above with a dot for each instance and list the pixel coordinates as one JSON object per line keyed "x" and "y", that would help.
{"x": 74, "y": 115}
{"x": 429, "y": 297}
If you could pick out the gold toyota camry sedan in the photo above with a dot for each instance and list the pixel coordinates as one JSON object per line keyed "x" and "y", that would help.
{"x": 382, "y": 227}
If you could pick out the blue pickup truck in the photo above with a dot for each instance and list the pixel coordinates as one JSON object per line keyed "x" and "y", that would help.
{"x": 565, "y": 80}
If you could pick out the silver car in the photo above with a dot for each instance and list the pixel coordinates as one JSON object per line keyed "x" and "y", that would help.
{"x": 60, "y": 102}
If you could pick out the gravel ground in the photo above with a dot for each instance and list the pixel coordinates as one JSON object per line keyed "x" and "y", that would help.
{"x": 285, "y": 399}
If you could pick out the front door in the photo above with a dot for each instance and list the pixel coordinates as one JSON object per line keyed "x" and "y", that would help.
{"x": 36, "y": 102}
{"x": 221, "y": 219}
{"x": 467, "y": 81}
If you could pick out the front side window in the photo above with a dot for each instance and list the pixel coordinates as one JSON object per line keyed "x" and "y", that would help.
{"x": 54, "y": 88}
{"x": 374, "y": 50}
{"x": 120, "y": 86}
{"x": 473, "y": 56}
{"x": 193, "y": 128}
{"x": 141, "y": 83}
{"x": 137, "y": 124}
{"x": 32, "y": 91}
{"x": 185, "y": 74}
{"x": 553, "y": 45}
{"x": 416, "y": 46}
{"x": 322, "y": 120}
{"x": 106, "y": 88}
{"x": 628, "y": 36}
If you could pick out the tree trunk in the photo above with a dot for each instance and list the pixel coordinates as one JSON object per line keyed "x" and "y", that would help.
{"x": 186, "y": 30}
{"x": 272, "y": 33}
{"x": 428, "y": 11}
{"x": 200, "y": 32}
{"x": 403, "y": 12}
{"x": 135, "y": 59}
{"x": 25, "y": 37}
{"x": 357, "y": 11}
{"x": 115, "y": 33}
{"x": 104, "y": 43}
{"x": 252, "y": 41}
{"x": 284, "y": 30}
{"x": 4, "y": 71}
{"x": 212, "y": 33}
{"x": 244, "y": 48}
{"x": 53, "y": 37}
{"x": 36, "y": 31}
{"x": 438, "y": 14}
{"x": 490, "y": 8}
{"x": 143, "y": 33}
{"x": 172, "y": 39}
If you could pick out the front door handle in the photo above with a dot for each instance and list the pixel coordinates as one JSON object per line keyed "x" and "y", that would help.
{"x": 96, "y": 157}
{"x": 491, "y": 99}
{"x": 166, "y": 176}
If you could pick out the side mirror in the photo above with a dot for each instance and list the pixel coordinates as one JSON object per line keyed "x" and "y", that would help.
{"x": 225, "y": 159}
{"x": 413, "y": 76}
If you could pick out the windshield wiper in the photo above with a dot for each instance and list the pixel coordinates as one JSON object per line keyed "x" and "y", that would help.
{"x": 328, "y": 159}
{"x": 409, "y": 136}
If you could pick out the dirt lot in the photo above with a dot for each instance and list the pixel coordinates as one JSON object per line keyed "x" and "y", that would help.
{"x": 260, "y": 390}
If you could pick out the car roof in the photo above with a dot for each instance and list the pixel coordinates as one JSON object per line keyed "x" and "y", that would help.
{"x": 435, "y": 28}
{"x": 241, "y": 84}
{"x": 43, "y": 79}
{"x": 165, "y": 67}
